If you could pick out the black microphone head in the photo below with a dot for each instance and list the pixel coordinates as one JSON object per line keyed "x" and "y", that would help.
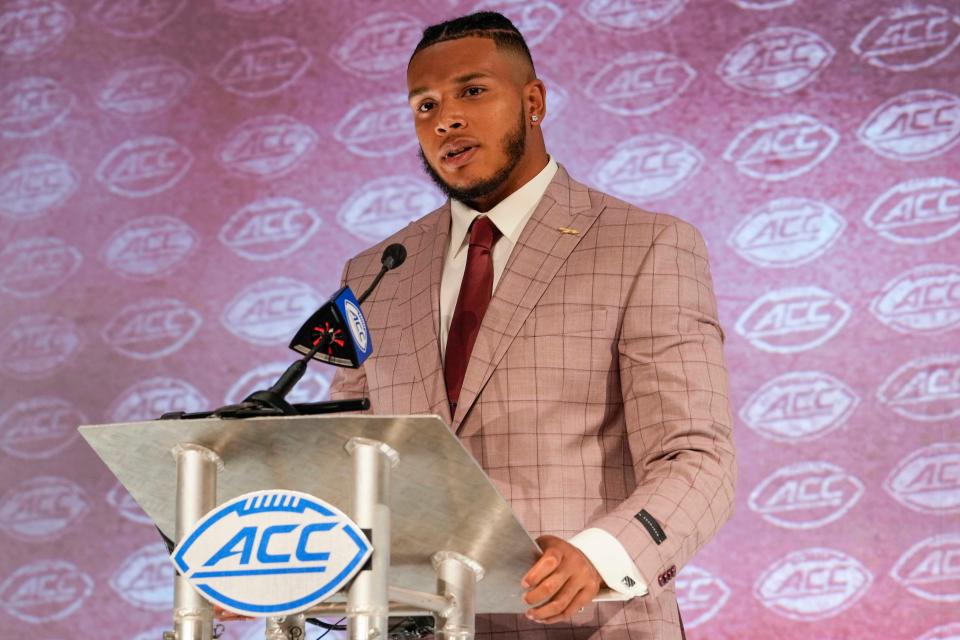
{"x": 393, "y": 256}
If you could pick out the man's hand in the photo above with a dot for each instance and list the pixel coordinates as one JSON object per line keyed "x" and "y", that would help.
{"x": 562, "y": 581}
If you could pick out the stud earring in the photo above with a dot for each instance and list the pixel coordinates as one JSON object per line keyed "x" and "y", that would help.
{"x": 534, "y": 118}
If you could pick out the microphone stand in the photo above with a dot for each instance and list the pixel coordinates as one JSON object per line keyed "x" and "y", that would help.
{"x": 272, "y": 402}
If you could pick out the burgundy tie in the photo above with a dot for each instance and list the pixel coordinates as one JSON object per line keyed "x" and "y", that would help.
{"x": 475, "y": 292}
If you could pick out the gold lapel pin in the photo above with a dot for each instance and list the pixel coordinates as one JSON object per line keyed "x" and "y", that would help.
{"x": 568, "y": 231}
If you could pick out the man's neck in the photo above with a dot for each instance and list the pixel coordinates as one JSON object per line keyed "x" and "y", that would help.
{"x": 526, "y": 171}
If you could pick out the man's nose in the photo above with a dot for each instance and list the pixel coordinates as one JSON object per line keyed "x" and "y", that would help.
{"x": 450, "y": 120}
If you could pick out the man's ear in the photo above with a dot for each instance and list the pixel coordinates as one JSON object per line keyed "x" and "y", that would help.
{"x": 535, "y": 100}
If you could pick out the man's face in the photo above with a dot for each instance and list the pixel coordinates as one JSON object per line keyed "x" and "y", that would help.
{"x": 467, "y": 100}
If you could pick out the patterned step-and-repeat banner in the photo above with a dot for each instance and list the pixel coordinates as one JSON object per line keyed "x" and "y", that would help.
{"x": 182, "y": 180}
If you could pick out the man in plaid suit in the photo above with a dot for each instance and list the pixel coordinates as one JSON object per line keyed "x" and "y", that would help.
{"x": 569, "y": 339}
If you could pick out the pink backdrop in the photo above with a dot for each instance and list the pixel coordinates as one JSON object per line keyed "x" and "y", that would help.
{"x": 181, "y": 183}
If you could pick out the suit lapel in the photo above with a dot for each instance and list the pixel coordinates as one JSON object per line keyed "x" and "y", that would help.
{"x": 424, "y": 326}
{"x": 540, "y": 252}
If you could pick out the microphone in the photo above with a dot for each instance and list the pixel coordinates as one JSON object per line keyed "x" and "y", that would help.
{"x": 336, "y": 333}
{"x": 393, "y": 256}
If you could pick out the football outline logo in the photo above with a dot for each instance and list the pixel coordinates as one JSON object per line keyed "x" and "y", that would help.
{"x": 275, "y": 515}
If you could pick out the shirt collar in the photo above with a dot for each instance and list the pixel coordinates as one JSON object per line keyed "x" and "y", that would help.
{"x": 509, "y": 215}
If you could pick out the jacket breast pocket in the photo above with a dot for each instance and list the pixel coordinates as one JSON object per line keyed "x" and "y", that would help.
{"x": 570, "y": 321}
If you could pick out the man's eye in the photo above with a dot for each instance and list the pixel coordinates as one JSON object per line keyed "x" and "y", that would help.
{"x": 424, "y": 107}
{"x": 474, "y": 91}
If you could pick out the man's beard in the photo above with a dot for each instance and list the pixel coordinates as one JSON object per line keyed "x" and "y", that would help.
{"x": 513, "y": 145}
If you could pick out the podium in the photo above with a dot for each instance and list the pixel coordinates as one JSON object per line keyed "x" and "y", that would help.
{"x": 445, "y": 543}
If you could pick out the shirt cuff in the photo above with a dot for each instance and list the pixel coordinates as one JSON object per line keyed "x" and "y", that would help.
{"x": 611, "y": 561}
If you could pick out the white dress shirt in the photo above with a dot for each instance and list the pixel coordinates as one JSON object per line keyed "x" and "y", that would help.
{"x": 611, "y": 560}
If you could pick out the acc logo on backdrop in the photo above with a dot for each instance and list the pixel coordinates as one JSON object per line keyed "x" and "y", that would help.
{"x": 793, "y": 319}
{"x": 42, "y": 507}
{"x": 648, "y": 166}
{"x": 385, "y": 205}
{"x": 262, "y": 67}
{"x": 917, "y": 211}
{"x": 806, "y": 495}
{"x": 30, "y": 27}
{"x": 135, "y": 19}
{"x": 144, "y": 166}
{"x": 36, "y": 345}
{"x": 270, "y": 310}
{"x": 378, "y": 127}
{"x": 35, "y": 267}
{"x": 39, "y": 428}
{"x": 781, "y": 147}
{"x": 798, "y": 406}
{"x": 906, "y": 38}
{"x": 915, "y": 125}
{"x": 928, "y": 480}
{"x": 559, "y": 98}
{"x": 35, "y": 183}
{"x": 145, "y": 579}
{"x": 149, "y": 247}
{"x": 943, "y": 632}
{"x": 45, "y": 590}
{"x": 630, "y": 15}
{"x": 775, "y": 61}
{"x": 121, "y": 500}
{"x": 292, "y": 532}
{"x": 144, "y": 85}
{"x": 379, "y": 44}
{"x": 314, "y": 387}
{"x": 929, "y": 569}
{"x": 534, "y": 18}
{"x": 269, "y": 228}
{"x": 926, "y": 388}
{"x": 925, "y": 299}
{"x": 762, "y": 5}
{"x": 32, "y": 106}
{"x": 812, "y": 584}
{"x": 152, "y": 328}
{"x": 151, "y": 398}
{"x": 640, "y": 82}
{"x": 700, "y": 595}
{"x": 249, "y": 8}
{"x": 787, "y": 232}
{"x": 266, "y": 146}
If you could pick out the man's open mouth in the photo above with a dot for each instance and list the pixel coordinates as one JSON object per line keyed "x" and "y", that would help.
{"x": 458, "y": 155}
{"x": 453, "y": 153}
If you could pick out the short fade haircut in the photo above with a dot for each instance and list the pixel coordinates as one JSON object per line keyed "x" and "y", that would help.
{"x": 483, "y": 24}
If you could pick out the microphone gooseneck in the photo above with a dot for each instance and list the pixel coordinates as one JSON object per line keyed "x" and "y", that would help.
{"x": 271, "y": 401}
{"x": 393, "y": 256}
{"x": 286, "y": 382}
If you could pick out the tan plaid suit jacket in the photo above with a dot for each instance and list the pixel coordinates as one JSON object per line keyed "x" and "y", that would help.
{"x": 596, "y": 387}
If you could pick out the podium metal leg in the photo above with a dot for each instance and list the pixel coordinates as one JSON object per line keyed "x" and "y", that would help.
{"x": 286, "y": 627}
{"x": 457, "y": 577}
{"x": 197, "y": 469}
{"x": 367, "y": 600}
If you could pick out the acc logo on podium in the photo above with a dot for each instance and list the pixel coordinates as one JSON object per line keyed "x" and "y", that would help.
{"x": 271, "y": 553}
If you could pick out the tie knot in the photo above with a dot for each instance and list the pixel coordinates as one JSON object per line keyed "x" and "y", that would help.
{"x": 483, "y": 232}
